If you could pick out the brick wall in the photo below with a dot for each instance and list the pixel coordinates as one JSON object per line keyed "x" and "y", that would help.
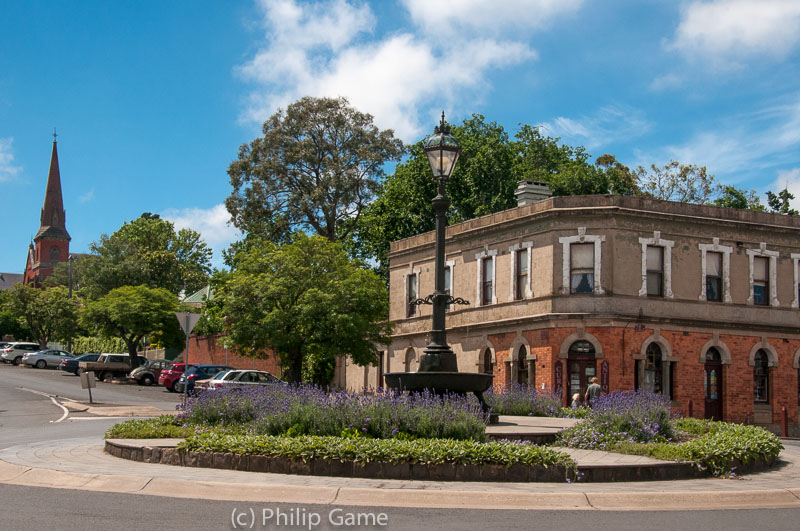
{"x": 209, "y": 350}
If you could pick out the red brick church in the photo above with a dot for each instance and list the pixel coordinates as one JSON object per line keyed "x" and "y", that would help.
{"x": 51, "y": 243}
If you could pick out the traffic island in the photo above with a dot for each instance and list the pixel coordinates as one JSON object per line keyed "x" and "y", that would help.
{"x": 166, "y": 451}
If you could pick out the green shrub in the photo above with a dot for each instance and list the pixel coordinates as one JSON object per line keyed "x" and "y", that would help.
{"x": 727, "y": 444}
{"x": 99, "y": 345}
{"x": 162, "y": 427}
{"x": 364, "y": 450}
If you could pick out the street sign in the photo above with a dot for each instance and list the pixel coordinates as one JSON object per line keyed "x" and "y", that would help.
{"x": 187, "y": 321}
{"x": 87, "y": 382}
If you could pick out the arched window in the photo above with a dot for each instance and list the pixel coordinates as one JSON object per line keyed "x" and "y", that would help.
{"x": 54, "y": 254}
{"x": 653, "y": 369}
{"x": 522, "y": 365}
{"x": 761, "y": 377}
{"x": 713, "y": 354}
{"x": 410, "y": 355}
{"x": 581, "y": 366}
{"x": 486, "y": 362}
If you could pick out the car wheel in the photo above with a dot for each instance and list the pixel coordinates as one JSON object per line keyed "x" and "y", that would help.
{"x": 102, "y": 375}
{"x": 174, "y": 388}
{"x": 17, "y": 360}
{"x": 146, "y": 380}
{"x": 78, "y": 371}
{"x": 41, "y": 364}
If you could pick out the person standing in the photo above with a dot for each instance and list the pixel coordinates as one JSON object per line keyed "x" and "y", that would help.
{"x": 593, "y": 391}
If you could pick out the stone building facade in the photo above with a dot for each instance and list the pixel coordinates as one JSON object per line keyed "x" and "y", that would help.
{"x": 698, "y": 302}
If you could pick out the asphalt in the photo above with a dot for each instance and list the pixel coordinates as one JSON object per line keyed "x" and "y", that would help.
{"x": 82, "y": 464}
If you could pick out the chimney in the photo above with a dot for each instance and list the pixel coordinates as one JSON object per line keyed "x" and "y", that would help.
{"x": 528, "y": 192}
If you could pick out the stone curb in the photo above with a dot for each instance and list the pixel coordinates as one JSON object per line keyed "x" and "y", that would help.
{"x": 169, "y": 455}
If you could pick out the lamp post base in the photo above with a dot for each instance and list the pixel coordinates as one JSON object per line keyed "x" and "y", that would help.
{"x": 438, "y": 358}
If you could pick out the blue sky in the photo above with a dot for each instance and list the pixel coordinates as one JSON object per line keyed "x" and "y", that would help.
{"x": 152, "y": 99}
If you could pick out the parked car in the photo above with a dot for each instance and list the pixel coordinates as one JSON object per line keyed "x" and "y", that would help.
{"x": 249, "y": 377}
{"x": 46, "y": 358}
{"x": 110, "y": 365}
{"x": 169, "y": 377}
{"x": 72, "y": 364}
{"x": 13, "y": 353}
{"x": 209, "y": 382}
{"x": 198, "y": 372}
{"x": 148, "y": 373}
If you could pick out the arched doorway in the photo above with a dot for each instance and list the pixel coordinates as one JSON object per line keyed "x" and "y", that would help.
{"x": 522, "y": 365}
{"x": 486, "y": 362}
{"x": 712, "y": 388}
{"x": 582, "y": 366}
{"x": 653, "y": 369}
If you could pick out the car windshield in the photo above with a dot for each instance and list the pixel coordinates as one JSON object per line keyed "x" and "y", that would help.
{"x": 220, "y": 375}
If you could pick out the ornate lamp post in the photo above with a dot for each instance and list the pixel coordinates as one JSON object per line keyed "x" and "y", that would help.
{"x": 438, "y": 368}
{"x": 442, "y": 150}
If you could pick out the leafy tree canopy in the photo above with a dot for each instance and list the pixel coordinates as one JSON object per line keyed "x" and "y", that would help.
{"x": 674, "y": 181}
{"x": 309, "y": 303}
{"x": 46, "y": 314}
{"x": 733, "y": 197}
{"x": 484, "y": 180}
{"x": 133, "y": 312}
{"x": 319, "y": 163}
{"x": 779, "y": 203}
{"x": 146, "y": 251}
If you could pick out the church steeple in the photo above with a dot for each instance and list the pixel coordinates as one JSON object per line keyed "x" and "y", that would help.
{"x": 51, "y": 243}
{"x": 53, "y": 222}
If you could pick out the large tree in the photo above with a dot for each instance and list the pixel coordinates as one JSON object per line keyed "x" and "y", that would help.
{"x": 47, "y": 314}
{"x": 145, "y": 251}
{"x": 133, "y": 312}
{"x": 685, "y": 183}
{"x": 309, "y": 303}
{"x": 779, "y": 203}
{"x": 485, "y": 178}
{"x": 319, "y": 162}
{"x": 733, "y": 197}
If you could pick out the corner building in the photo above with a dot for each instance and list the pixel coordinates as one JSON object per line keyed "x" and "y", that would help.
{"x": 699, "y": 303}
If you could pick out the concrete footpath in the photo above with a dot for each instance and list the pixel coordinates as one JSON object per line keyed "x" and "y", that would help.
{"x": 82, "y": 464}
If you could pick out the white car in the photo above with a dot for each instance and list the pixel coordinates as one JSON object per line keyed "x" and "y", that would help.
{"x": 46, "y": 358}
{"x": 13, "y": 353}
{"x": 235, "y": 378}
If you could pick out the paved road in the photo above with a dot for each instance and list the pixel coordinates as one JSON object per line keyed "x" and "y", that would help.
{"x": 27, "y": 420}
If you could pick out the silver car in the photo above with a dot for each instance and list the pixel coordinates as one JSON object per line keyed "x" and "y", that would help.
{"x": 249, "y": 377}
{"x": 46, "y": 358}
{"x": 13, "y": 352}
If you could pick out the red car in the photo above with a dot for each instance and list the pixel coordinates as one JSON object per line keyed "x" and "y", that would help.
{"x": 169, "y": 377}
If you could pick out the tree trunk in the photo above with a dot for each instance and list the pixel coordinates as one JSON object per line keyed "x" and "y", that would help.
{"x": 132, "y": 353}
{"x": 294, "y": 374}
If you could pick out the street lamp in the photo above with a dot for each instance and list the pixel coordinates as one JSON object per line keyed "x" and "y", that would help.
{"x": 438, "y": 368}
{"x": 442, "y": 150}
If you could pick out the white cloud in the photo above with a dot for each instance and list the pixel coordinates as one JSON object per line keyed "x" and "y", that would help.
{"x": 605, "y": 126}
{"x": 327, "y": 49}
{"x": 489, "y": 17}
{"x": 769, "y": 138}
{"x": 211, "y": 223}
{"x": 8, "y": 170}
{"x": 88, "y": 196}
{"x": 729, "y": 31}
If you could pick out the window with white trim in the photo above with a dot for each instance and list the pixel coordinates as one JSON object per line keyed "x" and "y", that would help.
{"x": 521, "y": 260}
{"x": 655, "y": 271}
{"x": 567, "y": 245}
{"x": 760, "y": 281}
{"x": 714, "y": 276}
{"x": 581, "y": 267}
{"x": 487, "y": 280}
{"x": 411, "y": 295}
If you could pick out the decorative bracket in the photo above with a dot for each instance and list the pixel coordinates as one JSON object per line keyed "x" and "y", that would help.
{"x": 448, "y": 300}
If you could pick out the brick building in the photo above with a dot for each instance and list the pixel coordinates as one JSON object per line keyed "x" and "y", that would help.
{"x": 697, "y": 302}
{"x": 51, "y": 243}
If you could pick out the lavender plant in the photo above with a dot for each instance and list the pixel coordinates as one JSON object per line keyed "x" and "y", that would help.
{"x": 311, "y": 410}
{"x": 522, "y": 399}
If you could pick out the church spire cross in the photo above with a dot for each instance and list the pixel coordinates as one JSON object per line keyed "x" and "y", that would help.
{"x": 54, "y": 134}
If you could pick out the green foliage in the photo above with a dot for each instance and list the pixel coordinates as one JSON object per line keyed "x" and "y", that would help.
{"x": 780, "y": 203}
{"x": 212, "y": 320}
{"x": 145, "y": 251}
{"x": 99, "y": 345}
{"x": 163, "y": 427}
{"x": 47, "y": 314}
{"x": 9, "y": 324}
{"x": 364, "y": 450}
{"x": 318, "y": 164}
{"x": 732, "y": 197}
{"x": 685, "y": 183}
{"x": 305, "y": 300}
{"x": 132, "y": 312}
{"x": 483, "y": 182}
